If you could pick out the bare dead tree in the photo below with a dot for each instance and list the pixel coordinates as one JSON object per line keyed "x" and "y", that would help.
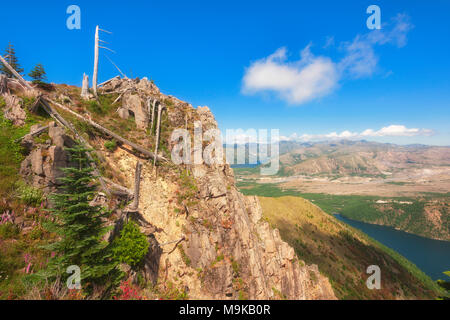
{"x": 158, "y": 131}
{"x": 96, "y": 47}
{"x": 137, "y": 185}
{"x": 85, "y": 87}
{"x": 154, "y": 102}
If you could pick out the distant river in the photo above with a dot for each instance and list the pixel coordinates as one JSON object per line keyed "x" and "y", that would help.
{"x": 431, "y": 256}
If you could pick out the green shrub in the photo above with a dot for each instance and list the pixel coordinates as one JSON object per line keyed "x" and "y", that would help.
{"x": 184, "y": 256}
{"x": 9, "y": 231}
{"x": 132, "y": 245}
{"x": 10, "y": 153}
{"x": 111, "y": 145}
{"x": 29, "y": 195}
{"x": 37, "y": 233}
{"x": 235, "y": 266}
{"x": 94, "y": 107}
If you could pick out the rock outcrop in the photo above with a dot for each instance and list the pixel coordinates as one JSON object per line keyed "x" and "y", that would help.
{"x": 212, "y": 242}
{"x": 42, "y": 167}
{"x": 218, "y": 246}
{"x": 13, "y": 110}
{"x": 257, "y": 263}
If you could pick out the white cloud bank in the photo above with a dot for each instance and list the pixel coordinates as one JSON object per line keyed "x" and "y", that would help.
{"x": 389, "y": 131}
{"x": 312, "y": 77}
{"x": 395, "y": 130}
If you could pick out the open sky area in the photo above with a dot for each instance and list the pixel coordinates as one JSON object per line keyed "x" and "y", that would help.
{"x": 312, "y": 69}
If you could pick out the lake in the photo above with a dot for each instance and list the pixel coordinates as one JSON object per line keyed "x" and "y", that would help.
{"x": 431, "y": 256}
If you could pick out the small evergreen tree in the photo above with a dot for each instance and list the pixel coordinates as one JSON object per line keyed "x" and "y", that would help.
{"x": 38, "y": 74}
{"x": 80, "y": 228}
{"x": 132, "y": 245}
{"x": 11, "y": 58}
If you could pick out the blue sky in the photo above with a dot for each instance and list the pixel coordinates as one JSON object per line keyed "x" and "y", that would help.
{"x": 244, "y": 60}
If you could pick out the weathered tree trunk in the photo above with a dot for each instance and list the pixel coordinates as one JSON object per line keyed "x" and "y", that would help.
{"x": 158, "y": 131}
{"x": 154, "y": 103}
{"x": 3, "y": 84}
{"x": 108, "y": 81}
{"x": 85, "y": 87}
{"x": 94, "y": 77}
{"x": 121, "y": 191}
{"x": 32, "y": 134}
{"x": 137, "y": 185}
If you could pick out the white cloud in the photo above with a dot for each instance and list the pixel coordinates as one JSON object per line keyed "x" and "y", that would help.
{"x": 389, "y": 131}
{"x": 296, "y": 82}
{"x": 360, "y": 59}
{"x": 311, "y": 76}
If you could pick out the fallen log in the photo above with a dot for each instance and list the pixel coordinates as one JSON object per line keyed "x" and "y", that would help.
{"x": 120, "y": 189}
{"x": 32, "y": 134}
{"x": 113, "y": 135}
{"x": 61, "y": 121}
{"x": 14, "y": 72}
{"x": 108, "y": 81}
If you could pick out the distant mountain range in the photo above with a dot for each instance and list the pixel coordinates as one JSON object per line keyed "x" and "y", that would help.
{"x": 347, "y": 157}
{"x": 359, "y": 157}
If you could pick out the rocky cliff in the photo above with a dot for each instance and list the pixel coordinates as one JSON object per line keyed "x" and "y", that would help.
{"x": 206, "y": 238}
{"x": 227, "y": 251}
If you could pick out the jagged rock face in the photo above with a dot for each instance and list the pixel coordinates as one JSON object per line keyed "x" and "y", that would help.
{"x": 256, "y": 262}
{"x": 42, "y": 167}
{"x": 137, "y": 96}
{"x": 133, "y": 103}
{"x": 13, "y": 110}
{"x": 228, "y": 251}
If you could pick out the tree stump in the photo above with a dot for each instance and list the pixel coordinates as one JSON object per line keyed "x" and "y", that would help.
{"x": 3, "y": 84}
{"x": 85, "y": 88}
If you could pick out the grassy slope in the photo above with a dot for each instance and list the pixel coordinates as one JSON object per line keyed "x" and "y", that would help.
{"x": 18, "y": 250}
{"x": 343, "y": 253}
